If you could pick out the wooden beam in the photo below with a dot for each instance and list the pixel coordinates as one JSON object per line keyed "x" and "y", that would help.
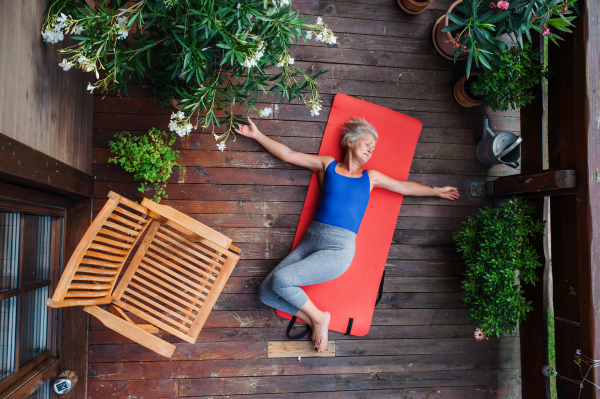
{"x": 587, "y": 87}
{"x": 74, "y": 321}
{"x": 533, "y": 331}
{"x": 24, "y": 165}
{"x": 543, "y": 182}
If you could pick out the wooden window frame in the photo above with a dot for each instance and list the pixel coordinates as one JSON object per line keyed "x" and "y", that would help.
{"x": 28, "y": 377}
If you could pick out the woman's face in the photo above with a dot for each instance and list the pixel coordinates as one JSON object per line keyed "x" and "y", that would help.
{"x": 363, "y": 148}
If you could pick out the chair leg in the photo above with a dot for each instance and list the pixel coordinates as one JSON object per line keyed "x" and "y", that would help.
{"x": 131, "y": 331}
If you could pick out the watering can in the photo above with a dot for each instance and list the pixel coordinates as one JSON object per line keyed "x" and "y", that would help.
{"x": 499, "y": 148}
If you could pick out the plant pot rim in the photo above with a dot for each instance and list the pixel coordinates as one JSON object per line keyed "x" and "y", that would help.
{"x": 461, "y": 82}
{"x": 416, "y": 3}
{"x": 444, "y": 19}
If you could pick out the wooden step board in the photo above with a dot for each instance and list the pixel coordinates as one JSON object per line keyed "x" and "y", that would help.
{"x": 279, "y": 349}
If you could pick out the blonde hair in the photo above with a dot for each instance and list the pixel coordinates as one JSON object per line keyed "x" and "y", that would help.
{"x": 354, "y": 129}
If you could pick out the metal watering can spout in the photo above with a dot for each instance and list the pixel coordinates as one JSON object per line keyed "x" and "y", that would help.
{"x": 486, "y": 128}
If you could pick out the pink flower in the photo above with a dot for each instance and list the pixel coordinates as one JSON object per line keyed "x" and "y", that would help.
{"x": 564, "y": 10}
{"x": 502, "y": 4}
{"x": 479, "y": 335}
{"x": 546, "y": 32}
{"x": 492, "y": 5}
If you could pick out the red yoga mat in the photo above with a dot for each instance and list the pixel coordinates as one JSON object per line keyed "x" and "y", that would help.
{"x": 351, "y": 297}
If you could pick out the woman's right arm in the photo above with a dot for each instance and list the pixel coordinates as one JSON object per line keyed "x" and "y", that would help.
{"x": 313, "y": 162}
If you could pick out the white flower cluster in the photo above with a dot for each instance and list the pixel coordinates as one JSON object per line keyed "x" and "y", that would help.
{"x": 179, "y": 125}
{"x": 323, "y": 33}
{"x": 286, "y": 60}
{"x": 65, "y": 64}
{"x": 221, "y": 145}
{"x": 87, "y": 65}
{"x": 314, "y": 110}
{"x": 121, "y": 27}
{"x": 56, "y": 34}
{"x": 263, "y": 113}
{"x": 77, "y": 30}
{"x": 253, "y": 61}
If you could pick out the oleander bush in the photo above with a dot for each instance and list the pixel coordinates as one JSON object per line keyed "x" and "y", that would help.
{"x": 499, "y": 259}
{"x": 209, "y": 55}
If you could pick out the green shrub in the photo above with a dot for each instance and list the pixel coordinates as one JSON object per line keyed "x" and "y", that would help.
{"x": 509, "y": 84}
{"x": 496, "y": 249}
{"x": 150, "y": 157}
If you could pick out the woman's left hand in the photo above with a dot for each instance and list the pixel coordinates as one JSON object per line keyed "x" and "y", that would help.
{"x": 448, "y": 192}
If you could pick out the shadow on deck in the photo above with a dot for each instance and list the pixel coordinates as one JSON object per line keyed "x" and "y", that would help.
{"x": 421, "y": 344}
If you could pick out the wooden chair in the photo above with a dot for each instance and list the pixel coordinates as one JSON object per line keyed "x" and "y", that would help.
{"x": 172, "y": 282}
{"x": 90, "y": 275}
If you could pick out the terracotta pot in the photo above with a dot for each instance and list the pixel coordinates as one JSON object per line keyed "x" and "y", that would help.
{"x": 175, "y": 103}
{"x": 446, "y": 49}
{"x": 460, "y": 93}
{"x": 413, "y": 6}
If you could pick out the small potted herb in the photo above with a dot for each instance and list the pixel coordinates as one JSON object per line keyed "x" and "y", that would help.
{"x": 508, "y": 85}
{"x": 499, "y": 259}
{"x": 150, "y": 157}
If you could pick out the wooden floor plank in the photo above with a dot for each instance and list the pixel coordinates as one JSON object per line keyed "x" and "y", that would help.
{"x": 336, "y": 382}
{"x": 306, "y": 366}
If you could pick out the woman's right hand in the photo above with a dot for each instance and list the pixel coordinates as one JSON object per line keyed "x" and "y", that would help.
{"x": 249, "y": 130}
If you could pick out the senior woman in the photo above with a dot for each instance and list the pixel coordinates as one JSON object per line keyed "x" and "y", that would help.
{"x": 327, "y": 248}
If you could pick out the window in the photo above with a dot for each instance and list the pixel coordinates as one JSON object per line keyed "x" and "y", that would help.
{"x": 31, "y": 246}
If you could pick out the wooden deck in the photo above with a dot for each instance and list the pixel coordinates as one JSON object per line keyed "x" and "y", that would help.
{"x": 421, "y": 344}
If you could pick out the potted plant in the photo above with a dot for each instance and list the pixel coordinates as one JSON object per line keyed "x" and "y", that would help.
{"x": 479, "y": 22}
{"x": 447, "y": 43}
{"x": 463, "y": 92}
{"x": 507, "y": 85}
{"x": 414, "y": 6}
{"x": 499, "y": 259}
{"x": 150, "y": 157}
{"x": 219, "y": 48}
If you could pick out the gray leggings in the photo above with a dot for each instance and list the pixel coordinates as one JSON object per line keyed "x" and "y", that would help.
{"x": 324, "y": 253}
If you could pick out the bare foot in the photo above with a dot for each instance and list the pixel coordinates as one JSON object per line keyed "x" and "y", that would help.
{"x": 321, "y": 332}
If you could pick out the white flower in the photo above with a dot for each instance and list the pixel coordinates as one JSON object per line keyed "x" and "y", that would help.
{"x": 221, "y": 145}
{"x": 290, "y": 61}
{"x": 283, "y": 3}
{"x": 216, "y": 136}
{"x": 121, "y": 27}
{"x": 62, "y": 19}
{"x": 65, "y": 64}
{"x": 309, "y": 34}
{"x": 180, "y": 114}
{"x": 82, "y": 60}
{"x": 319, "y": 21}
{"x": 265, "y": 112}
{"x": 53, "y": 36}
{"x": 77, "y": 30}
{"x": 90, "y": 88}
{"x": 315, "y": 110}
{"x": 238, "y": 6}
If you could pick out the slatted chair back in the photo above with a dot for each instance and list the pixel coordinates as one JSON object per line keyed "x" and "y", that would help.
{"x": 90, "y": 275}
{"x": 177, "y": 274}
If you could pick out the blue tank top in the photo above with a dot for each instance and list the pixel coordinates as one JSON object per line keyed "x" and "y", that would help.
{"x": 343, "y": 199}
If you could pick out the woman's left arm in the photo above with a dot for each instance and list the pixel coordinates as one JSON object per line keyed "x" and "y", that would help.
{"x": 380, "y": 180}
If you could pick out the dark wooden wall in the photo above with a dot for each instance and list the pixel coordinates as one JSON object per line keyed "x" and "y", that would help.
{"x": 41, "y": 105}
{"x": 421, "y": 343}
